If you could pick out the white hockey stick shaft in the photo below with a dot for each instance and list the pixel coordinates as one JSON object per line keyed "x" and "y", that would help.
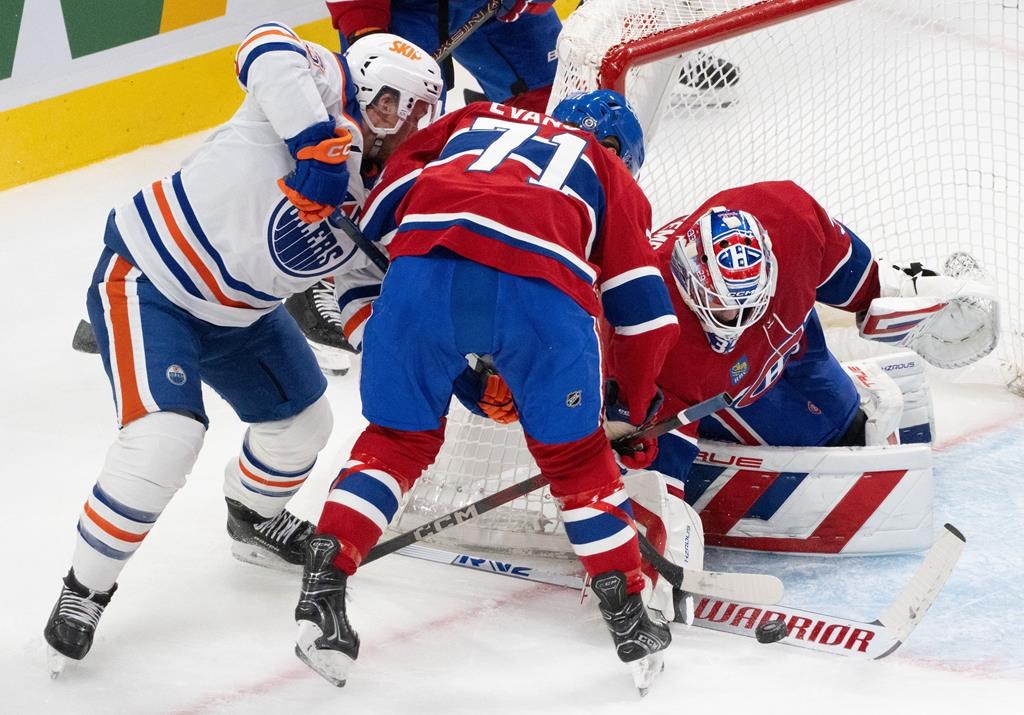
{"x": 754, "y": 588}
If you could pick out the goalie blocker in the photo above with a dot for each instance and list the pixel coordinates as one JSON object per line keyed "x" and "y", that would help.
{"x": 828, "y": 500}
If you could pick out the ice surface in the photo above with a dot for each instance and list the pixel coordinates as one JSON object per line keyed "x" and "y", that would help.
{"x": 191, "y": 630}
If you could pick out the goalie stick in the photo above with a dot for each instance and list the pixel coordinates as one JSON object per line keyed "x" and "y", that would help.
{"x": 843, "y": 636}
{"x": 811, "y": 630}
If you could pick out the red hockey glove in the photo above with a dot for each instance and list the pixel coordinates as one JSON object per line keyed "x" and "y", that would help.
{"x": 633, "y": 452}
{"x": 511, "y": 10}
{"x": 319, "y": 183}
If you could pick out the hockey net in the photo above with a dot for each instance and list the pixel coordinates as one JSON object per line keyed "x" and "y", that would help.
{"x": 902, "y": 117}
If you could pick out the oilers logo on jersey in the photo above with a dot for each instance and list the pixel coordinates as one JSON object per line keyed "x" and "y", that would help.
{"x": 301, "y": 249}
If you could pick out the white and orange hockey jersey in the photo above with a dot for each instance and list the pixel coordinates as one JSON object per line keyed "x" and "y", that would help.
{"x": 217, "y": 237}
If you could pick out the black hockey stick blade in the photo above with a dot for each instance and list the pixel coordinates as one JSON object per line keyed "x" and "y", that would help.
{"x": 85, "y": 338}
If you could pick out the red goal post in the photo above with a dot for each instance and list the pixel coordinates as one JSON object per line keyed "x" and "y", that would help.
{"x": 685, "y": 38}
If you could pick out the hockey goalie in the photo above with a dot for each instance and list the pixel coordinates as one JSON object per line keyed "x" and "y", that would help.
{"x": 812, "y": 456}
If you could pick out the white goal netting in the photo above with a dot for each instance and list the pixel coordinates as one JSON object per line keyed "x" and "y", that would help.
{"x": 902, "y": 117}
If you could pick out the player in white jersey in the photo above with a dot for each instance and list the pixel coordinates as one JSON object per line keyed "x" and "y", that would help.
{"x": 188, "y": 290}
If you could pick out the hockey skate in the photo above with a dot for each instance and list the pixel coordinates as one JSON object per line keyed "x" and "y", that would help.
{"x": 325, "y": 640}
{"x": 639, "y": 640}
{"x": 316, "y": 311}
{"x": 277, "y": 543}
{"x": 72, "y": 623}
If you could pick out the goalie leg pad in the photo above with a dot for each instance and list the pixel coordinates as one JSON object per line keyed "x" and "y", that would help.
{"x": 145, "y": 467}
{"x": 276, "y": 457}
{"x": 672, "y": 526}
{"x": 881, "y": 400}
{"x": 821, "y": 500}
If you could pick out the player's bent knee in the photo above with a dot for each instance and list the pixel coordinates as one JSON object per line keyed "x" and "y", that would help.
{"x": 159, "y": 449}
{"x": 574, "y": 469}
{"x": 404, "y": 454}
{"x": 294, "y": 442}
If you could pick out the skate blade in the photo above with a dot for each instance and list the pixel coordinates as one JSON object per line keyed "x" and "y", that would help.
{"x": 332, "y": 361}
{"x": 333, "y": 666}
{"x": 253, "y": 554}
{"x": 646, "y": 670}
{"x": 55, "y": 662}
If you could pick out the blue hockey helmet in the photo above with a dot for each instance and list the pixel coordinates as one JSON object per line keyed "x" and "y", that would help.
{"x": 605, "y": 113}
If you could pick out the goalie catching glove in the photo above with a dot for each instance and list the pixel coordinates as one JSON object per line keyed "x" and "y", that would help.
{"x": 319, "y": 182}
{"x": 951, "y": 320}
{"x": 633, "y": 452}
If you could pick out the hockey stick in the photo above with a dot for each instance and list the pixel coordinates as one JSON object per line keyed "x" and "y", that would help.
{"x": 752, "y": 588}
{"x": 803, "y": 629}
{"x": 759, "y": 588}
{"x": 471, "y": 25}
{"x": 504, "y": 496}
{"x": 842, "y": 636}
{"x": 457, "y": 516}
{"x": 690, "y": 414}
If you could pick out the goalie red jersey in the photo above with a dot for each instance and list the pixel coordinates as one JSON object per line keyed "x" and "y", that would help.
{"x": 816, "y": 259}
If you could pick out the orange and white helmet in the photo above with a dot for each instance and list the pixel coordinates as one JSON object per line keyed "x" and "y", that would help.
{"x": 383, "y": 63}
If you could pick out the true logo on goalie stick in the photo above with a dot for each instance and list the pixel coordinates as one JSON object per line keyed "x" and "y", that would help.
{"x": 574, "y": 398}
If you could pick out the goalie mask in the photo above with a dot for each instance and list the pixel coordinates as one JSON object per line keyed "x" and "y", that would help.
{"x": 384, "y": 65}
{"x": 604, "y": 114}
{"x": 726, "y": 274}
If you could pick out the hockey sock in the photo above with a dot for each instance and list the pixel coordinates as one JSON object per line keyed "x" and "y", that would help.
{"x": 365, "y": 496}
{"x": 276, "y": 458}
{"x": 144, "y": 468}
{"x": 595, "y": 507}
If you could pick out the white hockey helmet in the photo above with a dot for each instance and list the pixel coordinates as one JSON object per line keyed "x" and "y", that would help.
{"x": 726, "y": 274}
{"x": 383, "y": 63}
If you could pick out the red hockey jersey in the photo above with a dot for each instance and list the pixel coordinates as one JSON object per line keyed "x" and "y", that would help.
{"x": 523, "y": 193}
{"x": 819, "y": 259}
